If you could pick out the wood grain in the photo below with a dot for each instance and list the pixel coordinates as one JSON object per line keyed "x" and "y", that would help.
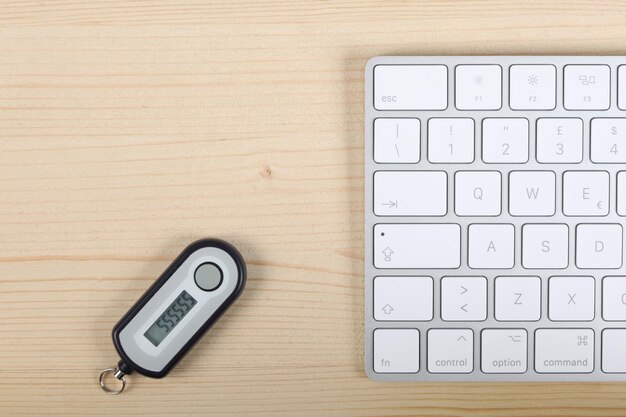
{"x": 130, "y": 128}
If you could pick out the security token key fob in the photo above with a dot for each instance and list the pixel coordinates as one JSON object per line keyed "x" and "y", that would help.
{"x": 174, "y": 313}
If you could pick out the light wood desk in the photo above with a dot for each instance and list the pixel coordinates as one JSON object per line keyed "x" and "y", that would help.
{"x": 130, "y": 128}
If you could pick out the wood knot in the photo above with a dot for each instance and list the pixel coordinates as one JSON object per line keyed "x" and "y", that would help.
{"x": 266, "y": 171}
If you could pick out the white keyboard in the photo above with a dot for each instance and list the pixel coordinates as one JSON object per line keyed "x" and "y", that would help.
{"x": 495, "y": 190}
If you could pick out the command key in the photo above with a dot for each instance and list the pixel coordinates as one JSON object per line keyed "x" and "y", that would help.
{"x": 564, "y": 350}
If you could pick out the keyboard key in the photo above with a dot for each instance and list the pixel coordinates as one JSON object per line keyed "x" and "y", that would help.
{"x": 397, "y": 141}
{"x": 396, "y": 351}
{"x": 477, "y": 193}
{"x": 621, "y": 87}
{"x": 586, "y": 193}
{"x": 518, "y": 298}
{"x": 428, "y": 87}
{"x": 613, "y": 348}
{"x": 532, "y": 193}
{"x": 410, "y": 193}
{"x": 586, "y": 87}
{"x": 532, "y": 87}
{"x": 504, "y": 351}
{"x": 559, "y": 141}
{"x": 478, "y": 87}
{"x": 505, "y": 141}
{"x": 450, "y": 351}
{"x": 403, "y": 298}
{"x": 621, "y": 193}
{"x": 571, "y": 298}
{"x": 417, "y": 246}
{"x": 491, "y": 246}
{"x": 564, "y": 350}
{"x": 545, "y": 246}
{"x": 614, "y": 298}
{"x": 608, "y": 140}
{"x": 451, "y": 140}
{"x": 599, "y": 246}
{"x": 463, "y": 298}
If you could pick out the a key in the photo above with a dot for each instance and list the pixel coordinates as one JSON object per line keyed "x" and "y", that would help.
{"x": 599, "y": 246}
{"x": 532, "y": 193}
{"x": 463, "y": 298}
{"x": 503, "y": 351}
{"x": 491, "y": 246}
{"x": 586, "y": 193}
{"x": 532, "y": 87}
{"x": 410, "y": 193}
{"x": 477, "y": 193}
{"x": 613, "y": 348}
{"x": 571, "y": 298}
{"x": 559, "y": 141}
{"x": 518, "y": 298}
{"x": 586, "y": 87}
{"x": 478, "y": 87}
{"x": 403, "y": 298}
{"x": 450, "y": 351}
{"x": 396, "y": 141}
{"x": 396, "y": 351}
{"x": 608, "y": 140}
{"x": 545, "y": 246}
{"x": 417, "y": 245}
{"x": 564, "y": 350}
{"x": 451, "y": 140}
{"x": 505, "y": 141}
{"x": 428, "y": 87}
{"x": 614, "y": 298}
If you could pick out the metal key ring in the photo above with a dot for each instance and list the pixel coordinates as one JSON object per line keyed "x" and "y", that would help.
{"x": 117, "y": 374}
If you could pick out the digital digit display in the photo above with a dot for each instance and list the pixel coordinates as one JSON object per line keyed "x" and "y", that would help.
{"x": 170, "y": 318}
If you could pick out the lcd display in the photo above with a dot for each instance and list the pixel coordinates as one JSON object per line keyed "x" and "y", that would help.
{"x": 170, "y": 318}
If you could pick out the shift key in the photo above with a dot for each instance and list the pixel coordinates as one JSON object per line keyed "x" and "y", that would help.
{"x": 417, "y": 246}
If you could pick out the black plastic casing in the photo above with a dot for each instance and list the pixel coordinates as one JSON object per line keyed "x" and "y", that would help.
{"x": 126, "y": 364}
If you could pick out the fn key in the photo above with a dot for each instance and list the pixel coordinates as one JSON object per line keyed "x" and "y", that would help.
{"x": 396, "y": 351}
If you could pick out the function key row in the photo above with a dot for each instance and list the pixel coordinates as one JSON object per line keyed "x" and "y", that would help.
{"x": 479, "y": 87}
{"x": 504, "y": 140}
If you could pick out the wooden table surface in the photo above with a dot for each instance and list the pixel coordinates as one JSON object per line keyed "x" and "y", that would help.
{"x": 130, "y": 128}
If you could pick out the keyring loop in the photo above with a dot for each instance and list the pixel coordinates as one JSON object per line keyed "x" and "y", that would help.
{"x": 117, "y": 374}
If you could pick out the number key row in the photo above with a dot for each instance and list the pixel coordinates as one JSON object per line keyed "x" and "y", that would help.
{"x": 504, "y": 140}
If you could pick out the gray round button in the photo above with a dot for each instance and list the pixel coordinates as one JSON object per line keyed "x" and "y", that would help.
{"x": 208, "y": 276}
